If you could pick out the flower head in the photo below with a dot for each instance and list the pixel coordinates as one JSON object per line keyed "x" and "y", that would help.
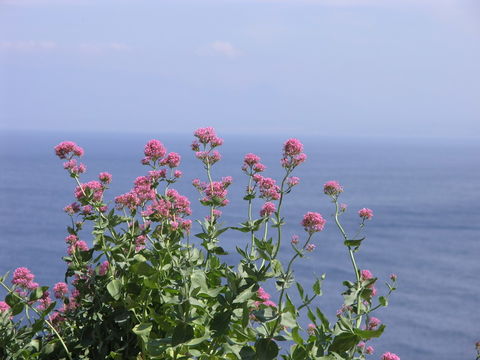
{"x": 67, "y": 149}
{"x": 172, "y": 160}
{"x": 206, "y": 136}
{"x": 23, "y": 278}
{"x": 311, "y": 329}
{"x": 373, "y": 322}
{"x": 105, "y": 177}
{"x": 4, "y": 306}
{"x": 294, "y": 239}
{"x": 332, "y": 188}
{"x": 310, "y": 247}
{"x": 103, "y": 269}
{"x": 94, "y": 187}
{"x": 60, "y": 290}
{"x": 366, "y": 274}
{"x": 292, "y": 147}
{"x": 292, "y": 181}
{"x": 313, "y": 222}
{"x": 267, "y": 209}
{"x": 365, "y": 213}
{"x": 154, "y": 150}
{"x": 390, "y": 356}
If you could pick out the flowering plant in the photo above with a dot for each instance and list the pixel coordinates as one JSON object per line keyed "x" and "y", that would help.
{"x": 143, "y": 290}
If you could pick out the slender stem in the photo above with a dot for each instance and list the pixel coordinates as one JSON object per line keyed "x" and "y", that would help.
{"x": 282, "y": 292}
{"x": 277, "y": 214}
{"x": 352, "y": 259}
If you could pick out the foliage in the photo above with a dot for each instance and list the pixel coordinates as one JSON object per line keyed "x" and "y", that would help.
{"x": 144, "y": 291}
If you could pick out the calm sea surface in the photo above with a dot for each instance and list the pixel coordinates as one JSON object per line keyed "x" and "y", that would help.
{"x": 425, "y": 195}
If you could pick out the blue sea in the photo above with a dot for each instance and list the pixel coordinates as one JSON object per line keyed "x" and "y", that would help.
{"x": 425, "y": 194}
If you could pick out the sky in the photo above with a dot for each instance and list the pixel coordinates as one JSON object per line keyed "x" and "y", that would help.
{"x": 321, "y": 67}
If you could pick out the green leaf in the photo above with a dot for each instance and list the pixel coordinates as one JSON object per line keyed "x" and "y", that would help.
{"x": 218, "y": 250}
{"x": 266, "y": 349}
{"x": 244, "y": 295}
{"x": 300, "y": 353}
{"x": 369, "y": 334}
{"x": 317, "y": 286}
{"x": 249, "y": 197}
{"x": 383, "y": 301}
{"x": 296, "y": 336}
{"x": 37, "y": 293}
{"x": 11, "y": 300}
{"x": 143, "y": 331}
{"x": 38, "y": 325}
{"x": 301, "y": 292}
{"x": 221, "y": 322}
{"x": 289, "y": 305}
{"x": 353, "y": 243}
{"x": 142, "y": 269}
{"x": 288, "y": 320}
{"x": 344, "y": 342}
{"x": 323, "y": 318}
{"x": 247, "y": 353}
{"x": 114, "y": 288}
{"x": 17, "y": 309}
{"x": 182, "y": 333}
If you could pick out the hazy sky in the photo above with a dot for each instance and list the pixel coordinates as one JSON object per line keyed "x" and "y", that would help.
{"x": 329, "y": 67}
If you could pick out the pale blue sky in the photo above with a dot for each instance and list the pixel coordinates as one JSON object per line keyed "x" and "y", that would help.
{"x": 328, "y": 67}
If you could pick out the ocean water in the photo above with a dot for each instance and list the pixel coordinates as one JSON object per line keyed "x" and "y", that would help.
{"x": 425, "y": 195}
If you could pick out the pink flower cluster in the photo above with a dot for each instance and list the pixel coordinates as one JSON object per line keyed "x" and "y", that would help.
{"x": 373, "y": 322}
{"x": 79, "y": 245}
{"x": 292, "y": 181}
{"x": 310, "y": 247}
{"x": 269, "y": 190}
{"x": 367, "y": 275}
{"x": 313, "y": 222}
{"x": 208, "y": 157}
{"x": 105, "y": 177}
{"x": 172, "y": 160}
{"x": 207, "y": 136}
{"x": 44, "y": 301}
{"x": 60, "y": 290}
{"x": 267, "y": 209}
{"x": 264, "y": 299}
{"x": 252, "y": 165}
{"x": 214, "y": 193}
{"x": 142, "y": 191}
{"x": 172, "y": 207}
{"x": 390, "y": 356}
{"x": 73, "y": 167}
{"x": 332, "y": 188}
{"x": 140, "y": 242}
{"x": 23, "y": 278}
{"x": 292, "y": 154}
{"x": 365, "y": 213}
{"x": 103, "y": 268}
{"x": 209, "y": 139}
{"x": 369, "y": 350}
{"x": 95, "y": 187}
{"x": 73, "y": 208}
{"x": 311, "y": 329}
{"x": 67, "y": 149}
{"x": 153, "y": 151}
{"x": 4, "y": 306}
{"x": 294, "y": 240}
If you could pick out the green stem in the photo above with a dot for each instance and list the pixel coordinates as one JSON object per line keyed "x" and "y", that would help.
{"x": 277, "y": 214}
{"x": 352, "y": 259}
{"x": 282, "y": 292}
